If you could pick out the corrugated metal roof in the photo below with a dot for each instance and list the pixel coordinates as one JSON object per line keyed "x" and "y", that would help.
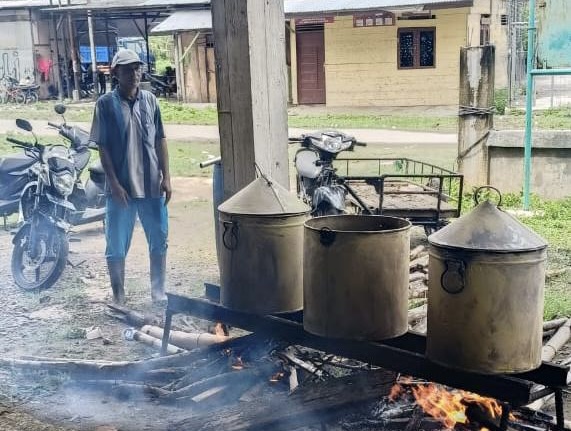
{"x": 18, "y": 4}
{"x": 296, "y": 7}
{"x": 185, "y": 20}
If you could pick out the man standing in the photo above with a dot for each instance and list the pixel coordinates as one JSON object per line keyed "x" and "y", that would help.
{"x": 128, "y": 129}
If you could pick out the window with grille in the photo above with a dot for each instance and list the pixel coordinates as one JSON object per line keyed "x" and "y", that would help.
{"x": 416, "y": 48}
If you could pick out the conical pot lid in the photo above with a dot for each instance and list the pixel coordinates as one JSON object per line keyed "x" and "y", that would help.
{"x": 264, "y": 197}
{"x": 487, "y": 228}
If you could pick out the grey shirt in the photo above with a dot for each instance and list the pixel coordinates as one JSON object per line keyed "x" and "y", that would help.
{"x": 136, "y": 140}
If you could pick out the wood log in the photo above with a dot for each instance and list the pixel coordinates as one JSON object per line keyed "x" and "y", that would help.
{"x": 309, "y": 404}
{"x": 419, "y": 264}
{"x": 419, "y": 292}
{"x": 417, "y": 313}
{"x": 561, "y": 337}
{"x": 549, "y": 333}
{"x": 290, "y": 357}
{"x": 152, "y": 341}
{"x": 98, "y": 369}
{"x": 554, "y": 324}
{"x": 229, "y": 378}
{"x": 417, "y": 251}
{"x": 132, "y": 317}
{"x": 185, "y": 340}
{"x": 417, "y": 276}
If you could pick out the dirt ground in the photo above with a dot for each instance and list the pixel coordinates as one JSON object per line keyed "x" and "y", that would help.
{"x": 52, "y": 323}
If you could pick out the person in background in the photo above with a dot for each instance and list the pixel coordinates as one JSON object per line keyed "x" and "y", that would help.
{"x": 128, "y": 129}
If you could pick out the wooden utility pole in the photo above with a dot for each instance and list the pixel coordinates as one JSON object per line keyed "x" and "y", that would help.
{"x": 476, "y": 117}
{"x": 74, "y": 59}
{"x": 251, "y": 89}
{"x": 93, "y": 56}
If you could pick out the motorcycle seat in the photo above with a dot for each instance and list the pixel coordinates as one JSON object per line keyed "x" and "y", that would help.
{"x": 15, "y": 163}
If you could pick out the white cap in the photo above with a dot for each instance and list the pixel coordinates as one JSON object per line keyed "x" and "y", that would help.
{"x": 125, "y": 56}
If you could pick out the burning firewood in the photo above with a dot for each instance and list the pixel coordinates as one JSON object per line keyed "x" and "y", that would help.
{"x": 311, "y": 403}
{"x": 185, "y": 340}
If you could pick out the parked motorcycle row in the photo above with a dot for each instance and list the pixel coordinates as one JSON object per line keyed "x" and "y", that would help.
{"x": 11, "y": 91}
{"x": 45, "y": 186}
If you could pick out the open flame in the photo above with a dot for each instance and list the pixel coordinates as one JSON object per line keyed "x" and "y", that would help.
{"x": 448, "y": 407}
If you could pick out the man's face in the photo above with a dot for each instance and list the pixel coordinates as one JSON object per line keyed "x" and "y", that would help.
{"x": 128, "y": 75}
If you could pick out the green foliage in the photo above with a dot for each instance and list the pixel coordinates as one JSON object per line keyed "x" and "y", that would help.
{"x": 501, "y": 100}
{"x": 178, "y": 113}
{"x": 162, "y": 48}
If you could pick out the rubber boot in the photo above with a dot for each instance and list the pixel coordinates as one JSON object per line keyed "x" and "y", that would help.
{"x": 158, "y": 276}
{"x": 117, "y": 276}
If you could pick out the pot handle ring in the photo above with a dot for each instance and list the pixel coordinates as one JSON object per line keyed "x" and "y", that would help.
{"x": 479, "y": 189}
{"x": 230, "y": 229}
{"x": 326, "y": 236}
{"x": 453, "y": 279}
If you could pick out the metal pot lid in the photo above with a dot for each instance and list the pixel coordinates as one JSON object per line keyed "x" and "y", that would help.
{"x": 264, "y": 197}
{"x": 488, "y": 228}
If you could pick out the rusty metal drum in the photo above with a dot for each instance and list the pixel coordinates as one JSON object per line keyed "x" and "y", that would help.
{"x": 261, "y": 230}
{"x": 355, "y": 276}
{"x": 485, "y": 295}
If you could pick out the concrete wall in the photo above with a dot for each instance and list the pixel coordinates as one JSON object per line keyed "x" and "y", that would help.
{"x": 551, "y": 162}
{"x": 16, "y": 45}
{"x": 361, "y": 63}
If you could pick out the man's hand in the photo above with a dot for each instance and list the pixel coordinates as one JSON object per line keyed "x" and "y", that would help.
{"x": 166, "y": 187}
{"x": 119, "y": 194}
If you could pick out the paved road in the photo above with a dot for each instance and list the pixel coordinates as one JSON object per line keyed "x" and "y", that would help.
{"x": 210, "y": 133}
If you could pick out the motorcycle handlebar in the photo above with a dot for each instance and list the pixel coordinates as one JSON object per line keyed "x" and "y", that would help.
{"x": 360, "y": 144}
{"x": 55, "y": 126}
{"x": 19, "y": 143}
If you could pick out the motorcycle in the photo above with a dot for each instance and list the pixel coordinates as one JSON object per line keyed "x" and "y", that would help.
{"x": 317, "y": 183}
{"x": 41, "y": 244}
{"x": 88, "y": 199}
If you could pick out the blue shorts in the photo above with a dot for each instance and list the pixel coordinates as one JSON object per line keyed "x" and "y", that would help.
{"x": 120, "y": 221}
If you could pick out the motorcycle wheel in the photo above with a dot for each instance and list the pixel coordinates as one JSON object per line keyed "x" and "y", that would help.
{"x": 20, "y": 99}
{"x": 32, "y": 97}
{"x": 42, "y": 269}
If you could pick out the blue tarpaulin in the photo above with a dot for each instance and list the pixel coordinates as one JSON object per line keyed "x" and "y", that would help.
{"x": 101, "y": 54}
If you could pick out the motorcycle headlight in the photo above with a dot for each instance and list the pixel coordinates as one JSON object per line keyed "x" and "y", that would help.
{"x": 63, "y": 183}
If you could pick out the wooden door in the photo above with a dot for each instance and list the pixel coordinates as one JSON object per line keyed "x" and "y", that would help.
{"x": 310, "y": 66}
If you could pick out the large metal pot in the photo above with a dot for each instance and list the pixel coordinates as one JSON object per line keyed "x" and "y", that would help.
{"x": 261, "y": 229}
{"x": 485, "y": 296}
{"x": 355, "y": 277}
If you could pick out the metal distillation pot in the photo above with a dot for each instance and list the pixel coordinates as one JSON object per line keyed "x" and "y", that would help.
{"x": 485, "y": 296}
{"x": 355, "y": 276}
{"x": 261, "y": 229}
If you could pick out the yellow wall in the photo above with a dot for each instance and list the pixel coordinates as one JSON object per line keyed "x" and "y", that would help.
{"x": 361, "y": 63}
